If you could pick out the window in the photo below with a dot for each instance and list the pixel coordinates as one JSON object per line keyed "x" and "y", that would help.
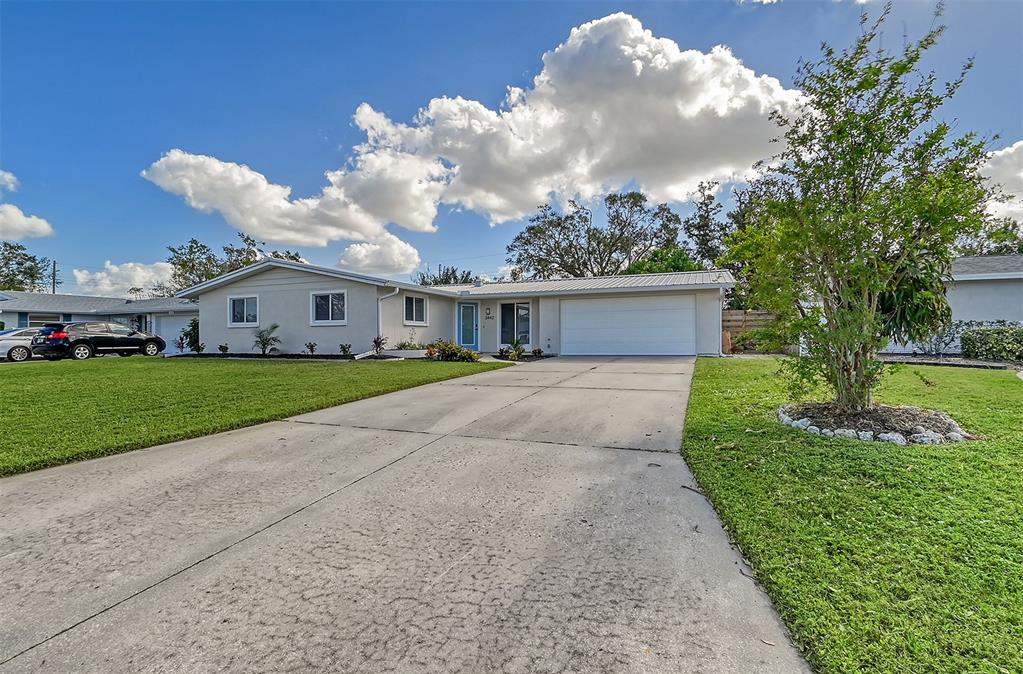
{"x": 329, "y": 308}
{"x": 415, "y": 310}
{"x": 244, "y": 311}
{"x": 39, "y": 320}
{"x": 515, "y": 323}
{"x": 119, "y": 330}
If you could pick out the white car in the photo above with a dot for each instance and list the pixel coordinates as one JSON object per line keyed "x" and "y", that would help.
{"x": 16, "y": 344}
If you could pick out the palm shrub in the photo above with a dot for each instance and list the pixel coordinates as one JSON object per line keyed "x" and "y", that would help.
{"x": 852, "y": 234}
{"x": 266, "y": 339}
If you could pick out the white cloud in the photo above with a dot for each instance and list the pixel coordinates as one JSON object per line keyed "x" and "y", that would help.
{"x": 15, "y": 225}
{"x": 1005, "y": 167}
{"x": 388, "y": 255}
{"x": 613, "y": 105}
{"x": 8, "y": 181}
{"x": 116, "y": 279}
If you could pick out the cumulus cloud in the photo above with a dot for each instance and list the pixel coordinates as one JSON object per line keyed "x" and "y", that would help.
{"x": 387, "y": 255}
{"x": 8, "y": 181}
{"x": 15, "y": 225}
{"x": 612, "y": 106}
{"x": 1005, "y": 167}
{"x": 116, "y": 279}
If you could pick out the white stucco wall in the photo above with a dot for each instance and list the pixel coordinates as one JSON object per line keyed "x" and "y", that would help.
{"x": 284, "y": 298}
{"x": 440, "y": 318}
{"x": 987, "y": 300}
{"x": 545, "y": 320}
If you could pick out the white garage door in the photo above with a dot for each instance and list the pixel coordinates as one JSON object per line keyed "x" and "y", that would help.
{"x": 169, "y": 327}
{"x": 641, "y": 326}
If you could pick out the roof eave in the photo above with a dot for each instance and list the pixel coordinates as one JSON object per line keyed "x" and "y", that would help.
{"x": 991, "y": 276}
{"x": 599, "y": 291}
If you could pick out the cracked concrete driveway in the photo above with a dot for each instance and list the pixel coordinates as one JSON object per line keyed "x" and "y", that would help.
{"x": 533, "y": 519}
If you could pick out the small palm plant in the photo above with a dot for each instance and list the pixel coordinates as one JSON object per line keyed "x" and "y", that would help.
{"x": 378, "y": 343}
{"x": 516, "y": 349}
{"x": 266, "y": 339}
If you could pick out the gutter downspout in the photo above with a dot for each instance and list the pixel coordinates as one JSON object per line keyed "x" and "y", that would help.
{"x": 380, "y": 310}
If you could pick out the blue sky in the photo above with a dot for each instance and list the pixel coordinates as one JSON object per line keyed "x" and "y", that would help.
{"x": 95, "y": 93}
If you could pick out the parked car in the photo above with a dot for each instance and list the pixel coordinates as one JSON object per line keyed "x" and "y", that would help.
{"x": 85, "y": 340}
{"x": 16, "y": 344}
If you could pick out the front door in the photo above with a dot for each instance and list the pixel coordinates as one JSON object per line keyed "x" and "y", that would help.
{"x": 469, "y": 326}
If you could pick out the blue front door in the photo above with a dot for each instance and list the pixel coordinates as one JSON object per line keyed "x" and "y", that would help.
{"x": 469, "y": 326}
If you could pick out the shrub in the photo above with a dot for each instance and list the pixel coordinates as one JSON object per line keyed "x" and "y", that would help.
{"x": 516, "y": 349}
{"x": 223, "y": 348}
{"x": 503, "y": 352}
{"x": 200, "y": 347}
{"x": 537, "y": 352}
{"x": 266, "y": 340}
{"x": 190, "y": 335}
{"x": 1003, "y": 343}
{"x": 379, "y": 342}
{"x": 310, "y": 347}
{"x": 345, "y": 349}
{"x": 180, "y": 344}
{"x": 444, "y": 350}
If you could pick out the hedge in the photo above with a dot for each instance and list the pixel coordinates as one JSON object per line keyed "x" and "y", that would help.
{"x": 993, "y": 343}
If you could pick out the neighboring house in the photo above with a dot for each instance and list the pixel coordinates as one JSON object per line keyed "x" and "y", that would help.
{"x": 164, "y": 316}
{"x": 648, "y": 314}
{"x": 983, "y": 288}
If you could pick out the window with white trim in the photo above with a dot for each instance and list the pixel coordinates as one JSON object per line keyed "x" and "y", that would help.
{"x": 244, "y": 311}
{"x": 329, "y": 308}
{"x": 515, "y": 322}
{"x": 415, "y": 310}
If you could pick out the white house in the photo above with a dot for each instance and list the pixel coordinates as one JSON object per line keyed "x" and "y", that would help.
{"x": 164, "y": 316}
{"x": 647, "y": 314}
{"x": 985, "y": 288}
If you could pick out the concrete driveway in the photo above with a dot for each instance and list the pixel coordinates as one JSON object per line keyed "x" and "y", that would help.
{"x": 533, "y": 519}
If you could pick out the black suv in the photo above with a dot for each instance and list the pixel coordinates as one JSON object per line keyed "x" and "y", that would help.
{"x": 85, "y": 340}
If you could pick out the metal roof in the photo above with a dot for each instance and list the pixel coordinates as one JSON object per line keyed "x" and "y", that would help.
{"x": 987, "y": 267}
{"x": 13, "y": 300}
{"x": 715, "y": 278}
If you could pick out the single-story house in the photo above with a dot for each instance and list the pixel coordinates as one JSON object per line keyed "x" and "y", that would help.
{"x": 163, "y": 316}
{"x": 646, "y": 314}
{"x": 983, "y": 288}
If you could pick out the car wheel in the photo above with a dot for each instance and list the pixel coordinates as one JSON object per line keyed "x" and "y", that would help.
{"x": 81, "y": 351}
{"x": 150, "y": 348}
{"x": 19, "y": 354}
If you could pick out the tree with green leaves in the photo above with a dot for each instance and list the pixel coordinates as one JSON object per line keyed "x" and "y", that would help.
{"x": 195, "y": 262}
{"x": 704, "y": 228}
{"x": 568, "y": 244}
{"x": 444, "y": 276}
{"x": 853, "y": 235}
{"x": 664, "y": 260}
{"x": 21, "y": 270}
{"x": 997, "y": 236}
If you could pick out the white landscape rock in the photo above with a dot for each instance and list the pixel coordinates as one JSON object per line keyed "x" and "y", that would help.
{"x": 803, "y": 423}
{"x": 926, "y": 439}
{"x": 866, "y": 436}
{"x": 896, "y": 438}
{"x": 827, "y": 432}
{"x": 846, "y": 433}
{"x": 954, "y": 437}
{"x": 813, "y": 429}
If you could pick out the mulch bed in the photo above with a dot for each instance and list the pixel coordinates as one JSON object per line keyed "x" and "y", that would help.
{"x": 879, "y": 419}
{"x": 527, "y": 358}
{"x": 275, "y": 356}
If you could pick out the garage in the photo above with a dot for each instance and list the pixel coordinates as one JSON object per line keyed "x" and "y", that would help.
{"x": 170, "y": 327}
{"x": 629, "y": 326}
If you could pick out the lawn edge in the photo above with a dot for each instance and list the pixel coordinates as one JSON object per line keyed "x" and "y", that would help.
{"x": 89, "y": 454}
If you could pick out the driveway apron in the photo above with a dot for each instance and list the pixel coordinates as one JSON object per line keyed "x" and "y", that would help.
{"x": 536, "y": 518}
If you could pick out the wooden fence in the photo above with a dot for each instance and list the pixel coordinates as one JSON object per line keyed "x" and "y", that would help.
{"x": 734, "y": 322}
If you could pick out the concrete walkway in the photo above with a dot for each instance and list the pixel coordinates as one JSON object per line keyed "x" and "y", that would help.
{"x": 537, "y": 518}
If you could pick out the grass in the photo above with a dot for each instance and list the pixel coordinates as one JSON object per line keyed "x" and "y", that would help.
{"x": 54, "y": 413}
{"x": 879, "y": 558}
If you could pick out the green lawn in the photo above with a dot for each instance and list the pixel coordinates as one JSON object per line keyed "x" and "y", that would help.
{"x": 53, "y": 413}
{"x": 880, "y": 558}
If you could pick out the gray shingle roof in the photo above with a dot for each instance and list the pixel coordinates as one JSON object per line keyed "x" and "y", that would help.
{"x": 712, "y": 278}
{"x": 987, "y": 264}
{"x": 87, "y": 304}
